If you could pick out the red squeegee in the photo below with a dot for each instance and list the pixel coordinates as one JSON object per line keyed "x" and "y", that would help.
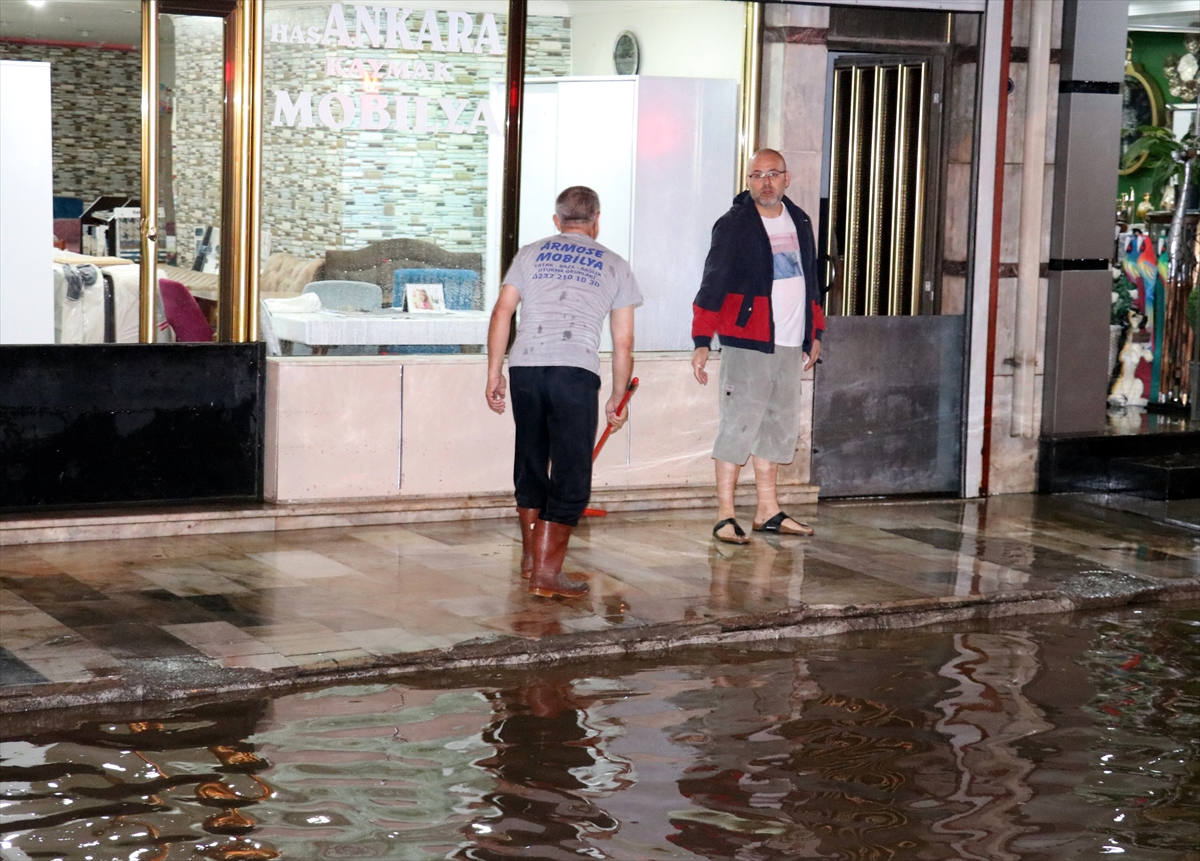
{"x": 633, "y": 384}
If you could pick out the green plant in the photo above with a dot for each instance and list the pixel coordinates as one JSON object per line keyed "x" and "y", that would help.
{"x": 1193, "y": 307}
{"x": 1160, "y": 146}
{"x": 1122, "y": 299}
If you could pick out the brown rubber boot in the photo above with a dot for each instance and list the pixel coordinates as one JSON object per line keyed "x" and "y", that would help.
{"x": 550, "y": 548}
{"x": 529, "y": 518}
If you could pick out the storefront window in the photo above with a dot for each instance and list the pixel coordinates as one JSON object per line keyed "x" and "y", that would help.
{"x": 383, "y": 155}
{"x": 78, "y": 284}
{"x": 382, "y": 167}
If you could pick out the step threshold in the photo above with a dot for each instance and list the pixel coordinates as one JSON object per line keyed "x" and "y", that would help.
{"x": 111, "y": 524}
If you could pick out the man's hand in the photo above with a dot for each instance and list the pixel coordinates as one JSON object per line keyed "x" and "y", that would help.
{"x": 495, "y": 393}
{"x": 610, "y": 411}
{"x": 812, "y": 356}
{"x": 497, "y": 344}
{"x": 699, "y": 360}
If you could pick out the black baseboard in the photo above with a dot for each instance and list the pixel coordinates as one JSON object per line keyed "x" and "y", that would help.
{"x": 1156, "y": 466}
{"x": 112, "y": 424}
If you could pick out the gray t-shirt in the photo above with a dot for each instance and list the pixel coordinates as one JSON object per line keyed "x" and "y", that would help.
{"x": 568, "y": 285}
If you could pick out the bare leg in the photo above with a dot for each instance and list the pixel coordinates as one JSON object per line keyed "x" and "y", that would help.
{"x": 727, "y": 476}
{"x": 766, "y": 475}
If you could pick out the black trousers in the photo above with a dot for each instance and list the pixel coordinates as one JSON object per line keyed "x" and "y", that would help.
{"x": 556, "y": 409}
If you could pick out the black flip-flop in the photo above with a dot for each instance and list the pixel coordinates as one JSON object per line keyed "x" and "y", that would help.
{"x": 740, "y": 535}
{"x": 775, "y": 525}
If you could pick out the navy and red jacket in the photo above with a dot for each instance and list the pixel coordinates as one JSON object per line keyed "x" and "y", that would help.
{"x": 734, "y": 301}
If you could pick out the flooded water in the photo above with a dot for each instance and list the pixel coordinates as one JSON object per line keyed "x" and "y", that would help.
{"x": 1050, "y": 738}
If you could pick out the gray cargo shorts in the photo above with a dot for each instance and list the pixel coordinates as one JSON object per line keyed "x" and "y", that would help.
{"x": 760, "y": 404}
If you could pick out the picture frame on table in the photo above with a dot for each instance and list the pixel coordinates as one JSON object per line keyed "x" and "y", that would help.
{"x": 425, "y": 298}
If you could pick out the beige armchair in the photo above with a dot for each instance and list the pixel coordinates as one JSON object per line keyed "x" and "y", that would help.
{"x": 285, "y": 274}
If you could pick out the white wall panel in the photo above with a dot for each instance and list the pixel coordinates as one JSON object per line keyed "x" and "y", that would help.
{"x": 660, "y": 152}
{"x": 26, "y": 204}
{"x": 539, "y": 161}
{"x": 596, "y": 139}
{"x": 687, "y": 147}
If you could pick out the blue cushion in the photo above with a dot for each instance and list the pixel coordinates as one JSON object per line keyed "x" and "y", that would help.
{"x": 67, "y": 207}
{"x": 458, "y": 288}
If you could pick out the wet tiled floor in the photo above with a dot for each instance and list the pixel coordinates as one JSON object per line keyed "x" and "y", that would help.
{"x": 262, "y": 605}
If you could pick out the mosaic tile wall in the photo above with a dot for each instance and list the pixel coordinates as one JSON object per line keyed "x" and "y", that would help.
{"x": 325, "y": 189}
{"x": 96, "y": 117}
{"x": 198, "y": 123}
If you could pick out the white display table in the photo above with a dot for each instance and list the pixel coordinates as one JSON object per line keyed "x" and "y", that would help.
{"x": 368, "y": 328}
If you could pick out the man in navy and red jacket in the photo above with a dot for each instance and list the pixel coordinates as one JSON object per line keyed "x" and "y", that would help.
{"x": 761, "y": 296}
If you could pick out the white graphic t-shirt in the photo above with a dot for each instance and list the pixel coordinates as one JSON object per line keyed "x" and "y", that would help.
{"x": 568, "y": 285}
{"x": 788, "y": 292}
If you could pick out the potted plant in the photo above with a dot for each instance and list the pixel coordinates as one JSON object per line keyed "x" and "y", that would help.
{"x": 1159, "y": 146}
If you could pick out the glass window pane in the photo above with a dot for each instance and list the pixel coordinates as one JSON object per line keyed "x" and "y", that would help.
{"x": 191, "y": 89}
{"x": 94, "y": 57}
{"x": 382, "y": 167}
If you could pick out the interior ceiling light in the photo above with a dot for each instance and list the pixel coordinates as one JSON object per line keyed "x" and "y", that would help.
{"x": 37, "y": 4}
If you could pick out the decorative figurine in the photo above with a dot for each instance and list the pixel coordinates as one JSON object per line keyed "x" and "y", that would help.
{"x": 1183, "y": 73}
{"x": 1128, "y": 389}
{"x": 1168, "y": 197}
{"x": 1144, "y": 208}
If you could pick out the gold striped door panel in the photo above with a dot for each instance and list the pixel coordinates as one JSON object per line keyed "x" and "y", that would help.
{"x": 878, "y": 184}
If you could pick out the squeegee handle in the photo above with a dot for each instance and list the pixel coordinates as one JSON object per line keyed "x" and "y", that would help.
{"x": 633, "y": 384}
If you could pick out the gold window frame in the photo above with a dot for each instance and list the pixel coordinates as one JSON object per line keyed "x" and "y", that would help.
{"x": 241, "y": 163}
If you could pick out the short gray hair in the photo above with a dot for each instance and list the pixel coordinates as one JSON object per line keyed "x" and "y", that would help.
{"x": 577, "y": 205}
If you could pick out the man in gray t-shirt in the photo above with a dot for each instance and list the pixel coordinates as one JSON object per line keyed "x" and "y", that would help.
{"x": 565, "y": 285}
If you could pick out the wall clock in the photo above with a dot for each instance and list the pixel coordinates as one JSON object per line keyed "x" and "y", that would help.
{"x": 626, "y": 58}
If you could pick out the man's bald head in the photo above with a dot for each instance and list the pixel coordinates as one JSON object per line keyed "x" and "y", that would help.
{"x": 768, "y": 179}
{"x": 767, "y": 154}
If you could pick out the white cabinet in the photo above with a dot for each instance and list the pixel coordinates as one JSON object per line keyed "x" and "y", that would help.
{"x": 26, "y": 204}
{"x": 661, "y": 154}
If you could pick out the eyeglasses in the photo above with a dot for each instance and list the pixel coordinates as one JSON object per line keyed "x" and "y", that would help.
{"x": 759, "y": 176}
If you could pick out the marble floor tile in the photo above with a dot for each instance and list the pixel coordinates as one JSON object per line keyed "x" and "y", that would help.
{"x": 24, "y": 562}
{"x": 304, "y": 564}
{"x": 187, "y": 580}
{"x": 14, "y": 671}
{"x": 387, "y": 641}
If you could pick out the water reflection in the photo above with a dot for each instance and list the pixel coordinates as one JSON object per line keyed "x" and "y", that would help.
{"x": 551, "y": 770}
{"x": 768, "y": 572}
{"x": 983, "y": 718}
{"x": 1052, "y": 739}
{"x": 137, "y": 788}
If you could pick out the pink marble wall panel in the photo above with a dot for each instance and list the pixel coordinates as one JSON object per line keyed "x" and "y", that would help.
{"x": 452, "y": 442}
{"x": 335, "y": 432}
{"x": 668, "y": 439}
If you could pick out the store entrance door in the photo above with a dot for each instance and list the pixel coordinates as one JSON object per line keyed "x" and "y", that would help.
{"x": 888, "y": 392}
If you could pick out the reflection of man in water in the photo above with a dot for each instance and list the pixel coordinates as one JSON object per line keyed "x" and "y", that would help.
{"x": 543, "y": 757}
